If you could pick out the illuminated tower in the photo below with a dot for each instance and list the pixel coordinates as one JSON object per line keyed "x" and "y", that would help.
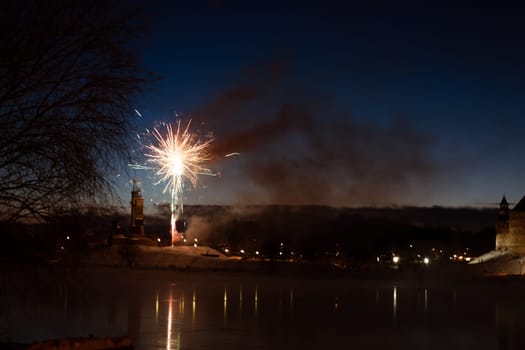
{"x": 504, "y": 209}
{"x": 516, "y": 243}
{"x": 510, "y": 229}
{"x": 137, "y": 211}
{"x": 502, "y": 226}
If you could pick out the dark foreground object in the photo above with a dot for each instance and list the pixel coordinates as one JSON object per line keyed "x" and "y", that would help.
{"x": 120, "y": 343}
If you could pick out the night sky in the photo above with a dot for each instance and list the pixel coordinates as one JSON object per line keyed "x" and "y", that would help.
{"x": 342, "y": 103}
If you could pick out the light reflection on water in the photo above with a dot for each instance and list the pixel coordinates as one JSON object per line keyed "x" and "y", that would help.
{"x": 394, "y": 305}
{"x": 262, "y": 312}
{"x": 225, "y": 312}
{"x": 255, "y": 301}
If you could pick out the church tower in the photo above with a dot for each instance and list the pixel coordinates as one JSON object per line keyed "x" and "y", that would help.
{"x": 503, "y": 214}
{"x": 517, "y": 228}
{"x": 510, "y": 229}
{"x": 137, "y": 211}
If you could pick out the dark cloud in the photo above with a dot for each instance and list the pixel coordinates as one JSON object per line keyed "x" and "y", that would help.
{"x": 255, "y": 83}
{"x": 262, "y": 133}
{"x": 348, "y": 163}
{"x": 295, "y": 150}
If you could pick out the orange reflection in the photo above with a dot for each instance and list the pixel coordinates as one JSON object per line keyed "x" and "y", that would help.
{"x": 255, "y": 301}
{"x": 171, "y": 316}
{"x": 394, "y": 304}
{"x": 193, "y": 306}
{"x": 225, "y": 303}
{"x": 240, "y": 302}
{"x": 157, "y": 307}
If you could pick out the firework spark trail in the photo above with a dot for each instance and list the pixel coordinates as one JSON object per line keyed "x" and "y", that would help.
{"x": 177, "y": 154}
{"x": 232, "y": 154}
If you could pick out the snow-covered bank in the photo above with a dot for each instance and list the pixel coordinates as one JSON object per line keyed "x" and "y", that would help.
{"x": 178, "y": 257}
{"x": 189, "y": 258}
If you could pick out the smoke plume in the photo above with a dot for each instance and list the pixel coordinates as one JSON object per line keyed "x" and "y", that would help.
{"x": 296, "y": 150}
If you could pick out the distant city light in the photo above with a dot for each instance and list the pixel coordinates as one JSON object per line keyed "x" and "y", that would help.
{"x": 242, "y": 251}
{"x": 395, "y": 259}
{"x": 426, "y": 260}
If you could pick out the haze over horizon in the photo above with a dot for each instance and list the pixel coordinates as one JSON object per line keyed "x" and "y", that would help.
{"x": 342, "y": 104}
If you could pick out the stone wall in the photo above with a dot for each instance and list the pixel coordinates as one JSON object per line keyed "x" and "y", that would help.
{"x": 502, "y": 235}
{"x": 516, "y": 239}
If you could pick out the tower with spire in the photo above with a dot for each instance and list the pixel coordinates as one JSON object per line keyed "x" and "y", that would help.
{"x": 137, "y": 211}
{"x": 503, "y": 209}
{"x": 502, "y": 225}
{"x": 510, "y": 228}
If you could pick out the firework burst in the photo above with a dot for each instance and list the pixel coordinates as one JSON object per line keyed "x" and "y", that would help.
{"x": 177, "y": 155}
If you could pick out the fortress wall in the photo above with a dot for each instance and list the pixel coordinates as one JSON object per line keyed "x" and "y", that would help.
{"x": 516, "y": 239}
{"x": 502, "y": 236}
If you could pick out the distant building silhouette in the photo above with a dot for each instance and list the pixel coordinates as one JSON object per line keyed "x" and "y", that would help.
{"x": 510, "y": 229}
{"x": 137, "y": 211}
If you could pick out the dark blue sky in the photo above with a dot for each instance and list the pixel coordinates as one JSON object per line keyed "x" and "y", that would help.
{"x": 344, "y": 103}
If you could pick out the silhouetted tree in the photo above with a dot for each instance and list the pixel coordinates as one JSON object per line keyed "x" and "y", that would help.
{"x": 68, "y": 78}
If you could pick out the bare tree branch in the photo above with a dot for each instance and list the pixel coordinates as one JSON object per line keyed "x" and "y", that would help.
{"x": 68, "y": 80}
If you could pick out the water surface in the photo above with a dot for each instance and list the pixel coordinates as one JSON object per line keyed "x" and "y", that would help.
{"x": 196, "y": 310}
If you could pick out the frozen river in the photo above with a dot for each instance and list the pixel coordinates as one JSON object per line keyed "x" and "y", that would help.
{"x": 182, "y": 310}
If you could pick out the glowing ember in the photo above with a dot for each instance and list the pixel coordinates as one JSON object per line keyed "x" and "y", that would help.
{"x": 177, "y": 154}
